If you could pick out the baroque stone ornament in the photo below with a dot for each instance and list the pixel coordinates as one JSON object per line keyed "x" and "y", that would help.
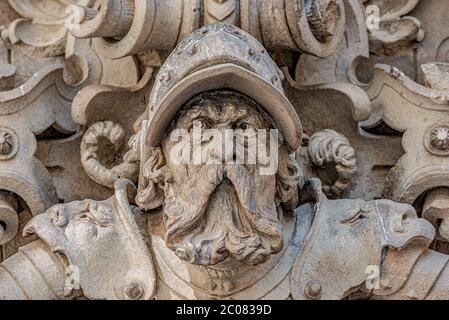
{"x": 224, "y": 149}
{"x": 394, "y": 29}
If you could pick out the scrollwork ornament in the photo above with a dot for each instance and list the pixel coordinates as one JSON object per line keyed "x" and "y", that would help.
{"x": 328, "y": 147}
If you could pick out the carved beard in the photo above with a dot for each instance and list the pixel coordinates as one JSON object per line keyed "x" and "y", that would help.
{"x": 237, "y": 221}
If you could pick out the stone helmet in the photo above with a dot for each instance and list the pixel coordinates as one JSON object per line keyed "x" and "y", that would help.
{"x": 215, "y": 57}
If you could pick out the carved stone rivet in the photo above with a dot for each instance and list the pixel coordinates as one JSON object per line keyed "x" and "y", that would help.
{"x": 313, "y": 289}
{"x": 436, "y": 140}
{"x": 193, "y": 50}
{"x": 439, "y": 138}
{"x": 251, "y": 52}
{"x": 165, "y": 77}
{"x": 6, "y": 143}
{"x": 134, "y": 291}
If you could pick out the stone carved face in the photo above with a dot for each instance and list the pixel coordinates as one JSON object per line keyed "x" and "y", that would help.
{"x": 372, "y": 226}
{"x": 219, "y": 210}
{"x": 79, "y": 224}
{"x": 100, "y": 243}
{"x": 85, "y": 233}
{"x": 82, "y": 232}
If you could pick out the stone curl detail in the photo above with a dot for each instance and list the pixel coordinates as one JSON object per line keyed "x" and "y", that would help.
{"x": 330, "y": 147}
{"x": 90, "y": 159}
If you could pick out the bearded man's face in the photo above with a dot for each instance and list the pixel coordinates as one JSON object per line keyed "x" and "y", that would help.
{"x": 224, "y": 209}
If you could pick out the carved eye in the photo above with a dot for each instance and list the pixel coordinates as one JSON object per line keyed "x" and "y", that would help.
{"x": 245, "y": 126}
{"x": 86, "y": 217}
{"x": 59, "y": 216}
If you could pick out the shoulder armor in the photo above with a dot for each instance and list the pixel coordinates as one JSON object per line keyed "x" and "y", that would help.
{"x": 102, "y": 245}
{"x": 347, "y": 238}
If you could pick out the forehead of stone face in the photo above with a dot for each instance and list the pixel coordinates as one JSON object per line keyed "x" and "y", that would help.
{"x": 222, "y": 108}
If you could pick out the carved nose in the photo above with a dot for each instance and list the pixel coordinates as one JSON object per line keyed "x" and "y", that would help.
{"x": 400, "y": 221}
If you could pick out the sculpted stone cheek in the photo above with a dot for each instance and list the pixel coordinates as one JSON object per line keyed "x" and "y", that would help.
{"x": 82, "y": 232}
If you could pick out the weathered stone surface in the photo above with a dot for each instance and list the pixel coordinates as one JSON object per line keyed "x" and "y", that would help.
{"x": 224, "y": 149}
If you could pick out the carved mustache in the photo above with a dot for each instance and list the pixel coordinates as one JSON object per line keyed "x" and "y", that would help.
{"x": 183, "y": 216}
{"x": 261, "y": 214}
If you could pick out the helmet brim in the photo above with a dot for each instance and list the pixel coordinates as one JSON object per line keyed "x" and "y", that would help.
{"x": 226, "y": 76}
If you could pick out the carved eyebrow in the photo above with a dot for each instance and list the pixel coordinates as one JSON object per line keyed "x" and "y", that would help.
{"x": 195, "y": 113}
{"x": 100, "y": 214}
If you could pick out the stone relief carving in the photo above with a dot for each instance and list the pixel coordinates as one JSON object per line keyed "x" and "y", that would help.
{"x": 395, "y": 30}
{"x": 330, "y": 147}
{"x": 223, "y": 149}
{"x": 41, "y": 31}
{"x": 420, "y": 40}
